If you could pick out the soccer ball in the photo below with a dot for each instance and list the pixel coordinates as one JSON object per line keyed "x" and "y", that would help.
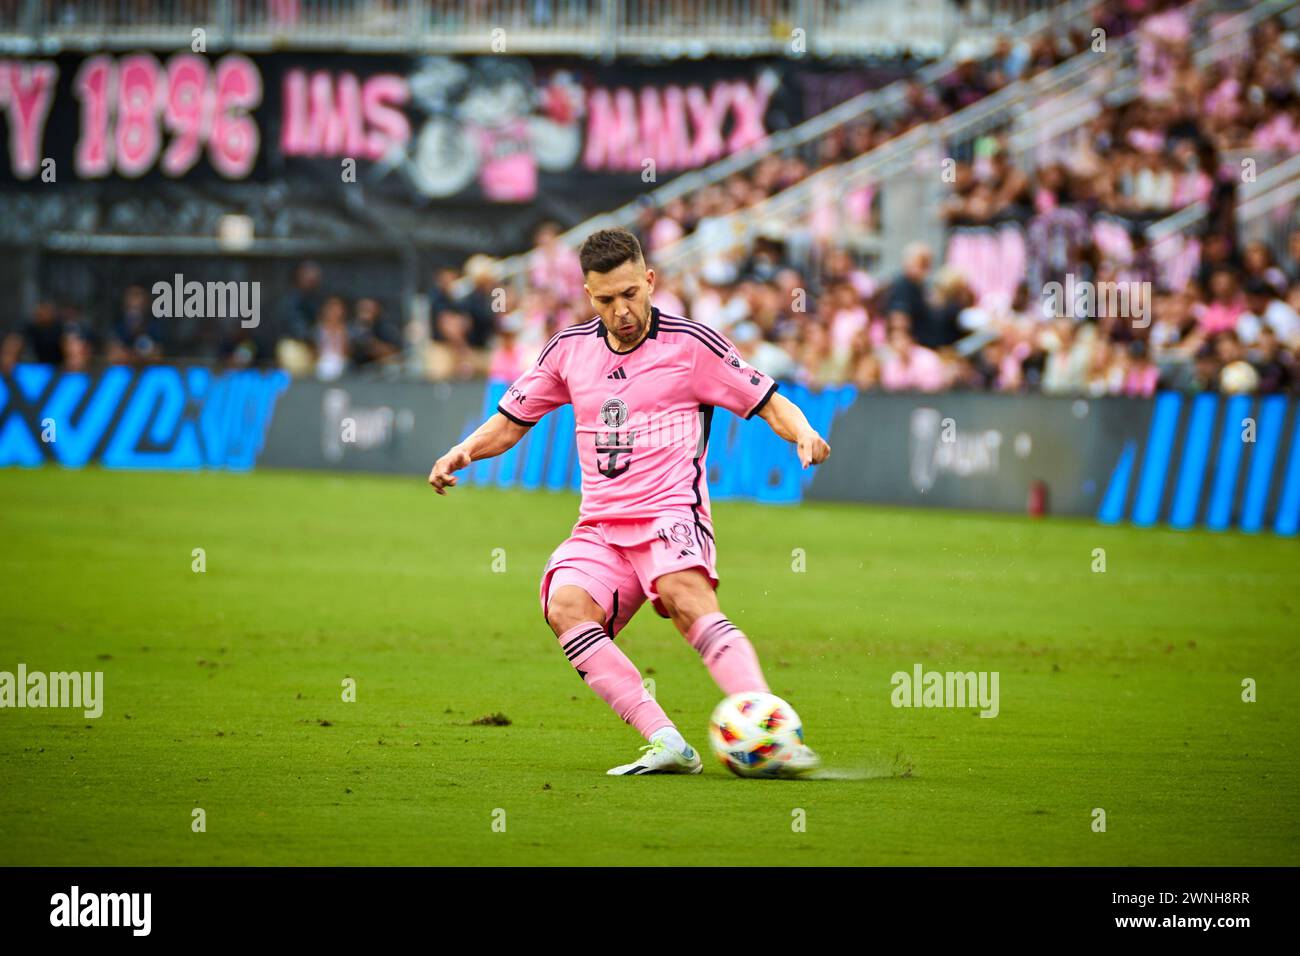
{"x": 754, "y": 733}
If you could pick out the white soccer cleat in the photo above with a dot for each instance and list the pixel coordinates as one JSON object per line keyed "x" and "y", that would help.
{"x": 660, "y": 758}
{"x": 800, "y": 763}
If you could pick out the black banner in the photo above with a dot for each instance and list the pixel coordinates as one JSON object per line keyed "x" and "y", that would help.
{"x": 332, "y": 905}
{"x": 388, "y": 139}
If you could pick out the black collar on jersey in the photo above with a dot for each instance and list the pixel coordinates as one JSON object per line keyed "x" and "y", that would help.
{"x": 651, "y": 333}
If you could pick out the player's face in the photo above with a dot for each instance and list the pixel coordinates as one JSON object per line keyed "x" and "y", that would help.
{"x": 621, "y": 297}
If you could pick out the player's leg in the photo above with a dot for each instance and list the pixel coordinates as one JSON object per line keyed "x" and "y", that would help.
{"x": 588, "y": 594}
{"x": 675, "y": 562}
{"x": 674, "y": 558}
{"x": 689, "y": 598}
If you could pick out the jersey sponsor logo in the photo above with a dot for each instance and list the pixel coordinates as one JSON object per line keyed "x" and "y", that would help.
{"x": 618, "y": 373}
{"x": 517, "y": 395}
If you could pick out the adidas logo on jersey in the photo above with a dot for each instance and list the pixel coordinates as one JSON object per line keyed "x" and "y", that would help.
{"x": 617, "y": 373}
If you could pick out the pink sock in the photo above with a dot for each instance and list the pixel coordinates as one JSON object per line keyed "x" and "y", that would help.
{"x": 727, "y": 654}
{"x": 608, "y": 672}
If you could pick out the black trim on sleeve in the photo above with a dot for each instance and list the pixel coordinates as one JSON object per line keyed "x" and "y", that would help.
{"x": 520, "y": 421}
{"x": 761, "y": 402}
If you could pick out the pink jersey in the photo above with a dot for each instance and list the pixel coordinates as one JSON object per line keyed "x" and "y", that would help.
{"x": 642, "y": 417}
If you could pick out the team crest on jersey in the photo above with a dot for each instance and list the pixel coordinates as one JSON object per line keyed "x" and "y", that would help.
{"x": 614, "y": 447}
{"x": 614, "y": 412}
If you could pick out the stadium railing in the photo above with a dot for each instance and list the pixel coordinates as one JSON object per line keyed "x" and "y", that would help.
{"x": 803, "y": 139}
{"x": 890, "y": 169}
{"x": 1267, "y": 210}
{"x": 609, "y": 28}
{"x": 1035, "y": 112}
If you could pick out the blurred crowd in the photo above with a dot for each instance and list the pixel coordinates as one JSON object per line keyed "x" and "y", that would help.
{"x": 1228, "y": 320}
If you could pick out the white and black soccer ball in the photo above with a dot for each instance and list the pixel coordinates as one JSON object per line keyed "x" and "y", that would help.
{"x": 754, "y": 733}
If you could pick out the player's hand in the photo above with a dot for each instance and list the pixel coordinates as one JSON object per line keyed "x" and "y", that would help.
{"x": 813, "y": 449}
{"x": 441, "y": 476}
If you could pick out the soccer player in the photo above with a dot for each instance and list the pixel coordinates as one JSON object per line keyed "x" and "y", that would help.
{"x": 643, "y": 386}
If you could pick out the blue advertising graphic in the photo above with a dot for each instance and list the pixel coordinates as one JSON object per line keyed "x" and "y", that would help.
{"x": 159, "y": 417}
{"x": 1196, "y": 461}
{"x": 1213, "y": 461}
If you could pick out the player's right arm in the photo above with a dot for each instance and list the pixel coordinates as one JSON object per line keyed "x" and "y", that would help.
{"x": 496, "y": 435}
{"x": 539, "y": 390}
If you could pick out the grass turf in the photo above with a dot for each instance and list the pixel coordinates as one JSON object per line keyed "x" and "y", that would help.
{"x": 1119, "y": 690}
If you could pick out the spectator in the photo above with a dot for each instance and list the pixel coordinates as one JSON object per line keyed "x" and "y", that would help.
{"x": 1266, "y": 310}
{"x": 907, "y": 296}
{"x": 1258, "y": 263}
{"x": 442, "y": 295}
{"x": 1275, "y": 366}
{"x": 298, "y": 314}
{"x": 137, "y": 334}
{"x": 478, "y": 303}
{"x": 78, "y": 349}
{"x": 1226, "y": 304}
{"x": 44, "y": 334}
{"x": 509, "y": 358}
{"x": 848, "y": 320}
{"x": 1293, "y": 253}
{"x": 1141, "y": 374}
{"x": 1067, "y": 347}
{"x": 908, "y": 366}
{"x": 332, "y": 345}
{"x": 451, "y": 356}
{"x": 552, "y": 266}
{"x": 952, "y": 297}
{"x": 373, "y": 339}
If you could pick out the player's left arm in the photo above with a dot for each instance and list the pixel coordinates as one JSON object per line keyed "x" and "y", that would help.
{"x": 723, "y": 378}
{"x": 789, "y": 421}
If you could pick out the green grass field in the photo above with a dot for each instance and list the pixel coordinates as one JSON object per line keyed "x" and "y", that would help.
{"x": 1119, "y": 690}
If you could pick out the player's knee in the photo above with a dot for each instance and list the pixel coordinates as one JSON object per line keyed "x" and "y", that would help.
{"x": 686, "y": 595}
{"x": 570, "y": 606}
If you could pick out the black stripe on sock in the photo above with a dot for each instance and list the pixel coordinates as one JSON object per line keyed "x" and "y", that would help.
{"x": 714, "y": 634}
{"x": 722, "y": 635}
{"x": 589, "y": 642}
{"x": 591, "y": 630}
{"x": 572, "y": 652}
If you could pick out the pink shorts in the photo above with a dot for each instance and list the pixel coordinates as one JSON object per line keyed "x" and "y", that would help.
{"x": 618, "y": 562}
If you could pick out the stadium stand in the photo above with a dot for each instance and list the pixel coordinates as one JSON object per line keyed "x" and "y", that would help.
{"x": 906, "y": 238}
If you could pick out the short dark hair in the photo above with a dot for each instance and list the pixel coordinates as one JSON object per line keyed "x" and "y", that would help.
{"x": 606, "y": 250}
